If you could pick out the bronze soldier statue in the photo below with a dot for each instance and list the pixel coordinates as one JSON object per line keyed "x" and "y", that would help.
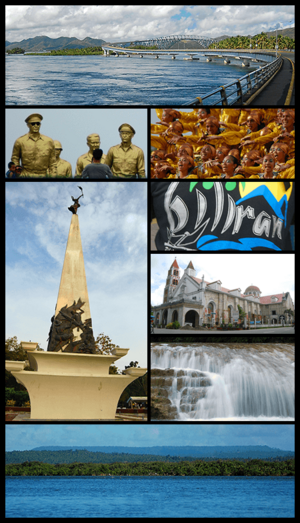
{"x": 35, "y": 151}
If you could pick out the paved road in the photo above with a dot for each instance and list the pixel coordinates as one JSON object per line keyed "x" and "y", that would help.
{"x": 276, "y": 92}
{"x": 273, "y": 330}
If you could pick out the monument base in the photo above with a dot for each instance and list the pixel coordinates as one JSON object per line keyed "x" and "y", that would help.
{"x": 66, "y": 386}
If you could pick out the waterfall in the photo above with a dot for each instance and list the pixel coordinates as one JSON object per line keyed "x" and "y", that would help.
{"x": 235, "y": 381}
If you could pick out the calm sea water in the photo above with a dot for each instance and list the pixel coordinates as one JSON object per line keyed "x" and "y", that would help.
{"x": 151, "y": 497}
{"x": 99, "y": 80}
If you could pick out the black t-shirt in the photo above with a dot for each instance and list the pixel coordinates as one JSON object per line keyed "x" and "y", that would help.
{"x": 223, "y": 216}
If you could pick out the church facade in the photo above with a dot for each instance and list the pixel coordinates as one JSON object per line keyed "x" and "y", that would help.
{"x": 194, "y": 301}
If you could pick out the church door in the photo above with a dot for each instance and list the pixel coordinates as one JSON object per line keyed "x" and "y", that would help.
{"x": 192, "y": 317}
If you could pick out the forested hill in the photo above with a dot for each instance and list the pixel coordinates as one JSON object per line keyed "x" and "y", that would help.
{"x": 144, "y": 454}
{"x": 213, "y": 451}
{"x": 44, "y": 43}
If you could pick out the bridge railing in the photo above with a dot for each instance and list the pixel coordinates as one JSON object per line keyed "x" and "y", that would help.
{"x": 236, "y": 91}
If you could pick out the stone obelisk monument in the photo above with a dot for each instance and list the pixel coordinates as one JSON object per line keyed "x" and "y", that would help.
{"x": 71, "y": 380}
{"x": 73, "y": 280}
{"x": 71, "y": 329}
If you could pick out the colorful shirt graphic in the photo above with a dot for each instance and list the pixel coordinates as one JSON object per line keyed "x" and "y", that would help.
{"x": 217, "y": 216}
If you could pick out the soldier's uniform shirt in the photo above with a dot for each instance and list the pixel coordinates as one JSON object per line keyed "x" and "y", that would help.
{"x": 126, "y": 162}
{"x": 64, "y": 168}
{"x": 36, "y": 155}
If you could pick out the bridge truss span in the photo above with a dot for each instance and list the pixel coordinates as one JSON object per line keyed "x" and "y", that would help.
{"x": 165, "y": 42}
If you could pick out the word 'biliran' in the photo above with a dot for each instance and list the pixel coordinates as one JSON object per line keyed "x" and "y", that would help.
{"x": 187, "y": 225}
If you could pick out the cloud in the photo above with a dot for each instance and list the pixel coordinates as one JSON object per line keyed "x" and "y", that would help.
{"x": 233, "y": 271}
{"x": 125, "y": 22}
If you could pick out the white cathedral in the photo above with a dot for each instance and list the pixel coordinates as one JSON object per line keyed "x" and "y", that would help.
{"x": 196, "y": 302}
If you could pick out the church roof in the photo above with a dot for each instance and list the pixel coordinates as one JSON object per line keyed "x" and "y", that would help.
{"x": 175, "y": 264}
{"x": 190, "y": 266}
{"x": 265, "y": 300}
{"x": 252, "y": 288}
{"x": 222, "y": 289}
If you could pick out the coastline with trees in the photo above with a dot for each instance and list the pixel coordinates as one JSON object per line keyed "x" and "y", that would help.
{"x": 259, "y": 41}
{"x": 254, "y": 467}
{"x": 60, "y": 52}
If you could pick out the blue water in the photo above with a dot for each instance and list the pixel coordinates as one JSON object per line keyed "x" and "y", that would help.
{"x": 99, "y": 80}
{"x": 151, "y": 497}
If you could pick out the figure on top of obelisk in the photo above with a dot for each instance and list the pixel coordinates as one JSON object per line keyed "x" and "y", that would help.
{"x": 71, "y": 325}
{"x": 73, "y": 208}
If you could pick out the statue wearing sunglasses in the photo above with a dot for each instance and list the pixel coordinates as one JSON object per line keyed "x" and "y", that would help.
{"x": 35, "y": 151}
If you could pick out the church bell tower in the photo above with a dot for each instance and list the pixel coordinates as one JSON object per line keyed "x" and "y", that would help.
{"x": 172, "y": 281}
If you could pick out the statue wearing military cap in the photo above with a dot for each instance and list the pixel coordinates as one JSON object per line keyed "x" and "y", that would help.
{"x": 93, "y": 141}
{"x": 126, "y": 160}
{"x": 64, "y": 168}
{"x": 125, "y": 127}
{"x": 35, "y": 151}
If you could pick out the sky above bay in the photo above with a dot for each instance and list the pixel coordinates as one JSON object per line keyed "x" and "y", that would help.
{"x": 114, "y": 23}
{"x": 26, "y": 437}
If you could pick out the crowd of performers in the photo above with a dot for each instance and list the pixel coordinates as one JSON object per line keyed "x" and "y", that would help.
{"x": 223, "y": 143}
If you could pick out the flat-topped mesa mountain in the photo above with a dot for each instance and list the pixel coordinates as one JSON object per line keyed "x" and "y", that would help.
{"x": 98, "y": 454}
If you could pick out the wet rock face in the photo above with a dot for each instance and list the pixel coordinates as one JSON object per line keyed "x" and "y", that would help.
{"x": 176, "y": 391}
{"x": 161, "y": 408}
{"x": 161, "y": 383}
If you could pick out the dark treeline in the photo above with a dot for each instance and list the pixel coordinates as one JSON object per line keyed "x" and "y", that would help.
{"x": 220, "y": 339}
{"x": 70, "y": 52}
{"x": 254, "y": 467}
{"x": 82, "y": 456}
{"x": 85, "y": 456}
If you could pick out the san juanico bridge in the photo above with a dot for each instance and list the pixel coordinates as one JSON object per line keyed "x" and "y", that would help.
{"x": 259, "y": 59}
{"x": 195, "y": 47}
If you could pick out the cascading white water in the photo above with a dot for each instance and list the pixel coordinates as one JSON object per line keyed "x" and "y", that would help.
{"x": 229, "y": 381}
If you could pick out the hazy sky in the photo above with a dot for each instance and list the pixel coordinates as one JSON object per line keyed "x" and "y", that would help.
{"x": 112, "y": 219}
{"x": 72, "y": 126}
{"x": 125, "y": 22}
{"x": 272, "y": 273}
{"x": 26, "y": 436}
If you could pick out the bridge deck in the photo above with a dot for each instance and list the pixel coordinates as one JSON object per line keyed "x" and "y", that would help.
{"x": 277, "y": 90}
